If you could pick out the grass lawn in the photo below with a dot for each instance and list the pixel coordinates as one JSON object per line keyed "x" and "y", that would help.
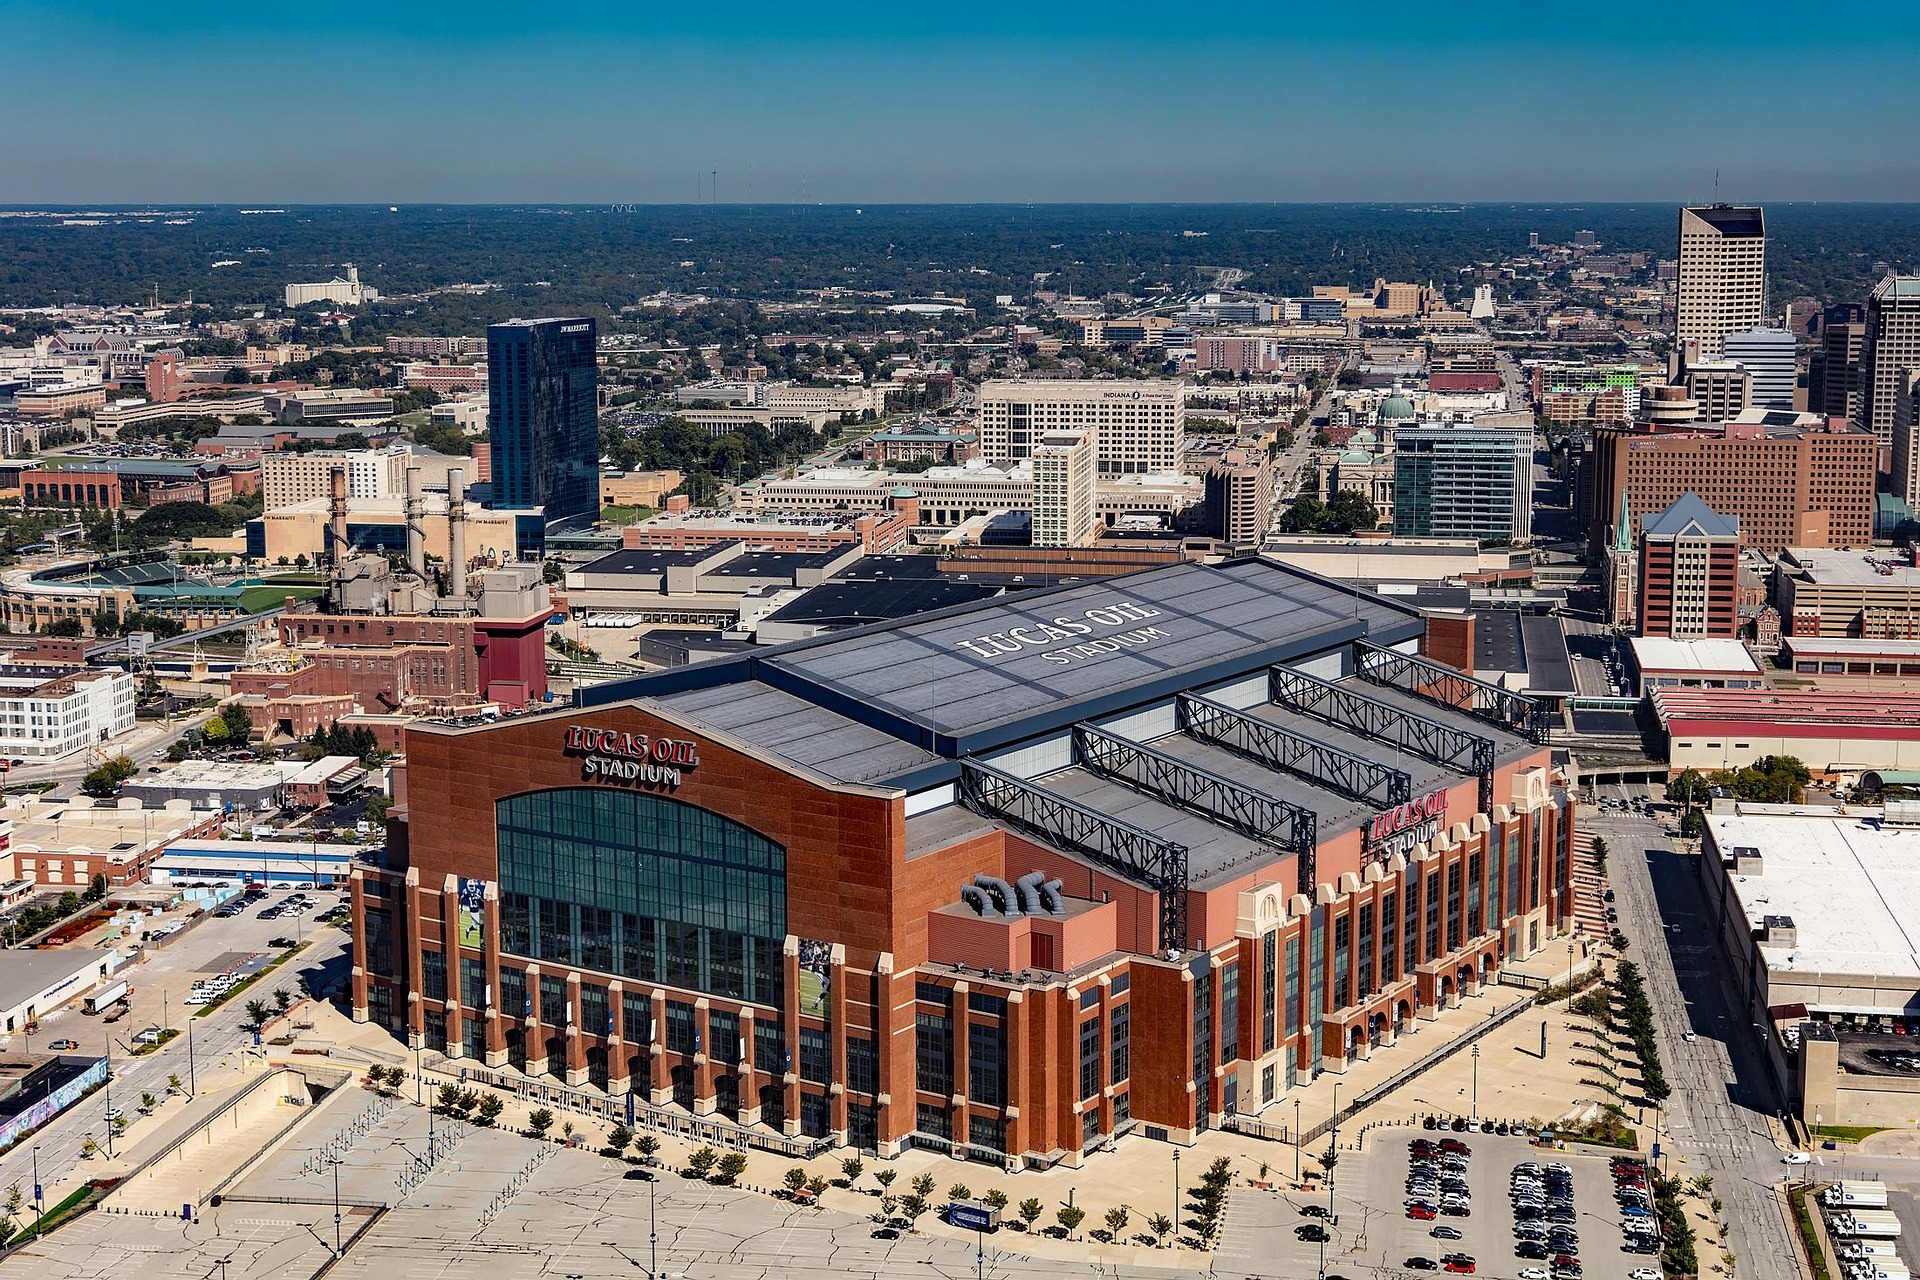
{"x": 260, "y": 599}
{"x": 624, "y": 515}
{"x": 1844, "y": 1132}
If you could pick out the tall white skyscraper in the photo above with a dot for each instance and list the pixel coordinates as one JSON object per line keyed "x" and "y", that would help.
{"x": 1887, "y": 365}
{"x": 1722, "y": 283}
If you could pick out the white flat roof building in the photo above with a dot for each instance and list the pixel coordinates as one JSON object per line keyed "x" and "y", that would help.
{"x": 1716, "y": 663}
{"x": 49, "y": 715}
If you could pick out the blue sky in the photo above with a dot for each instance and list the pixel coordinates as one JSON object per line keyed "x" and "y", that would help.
{"x": 420, "y": 100}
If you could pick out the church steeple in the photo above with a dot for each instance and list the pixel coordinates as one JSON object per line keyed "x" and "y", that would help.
{"x": 1623, "y": 527}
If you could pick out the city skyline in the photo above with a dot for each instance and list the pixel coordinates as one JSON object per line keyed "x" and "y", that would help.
{"x": 591, "y": 104}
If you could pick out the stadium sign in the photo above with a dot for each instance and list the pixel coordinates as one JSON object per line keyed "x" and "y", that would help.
{"x": 613, "y": 755}
{"x": 1405, "y": 825}
{"x": 1071, "y": 637}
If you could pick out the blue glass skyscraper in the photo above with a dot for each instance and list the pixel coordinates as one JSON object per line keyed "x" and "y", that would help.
{"x": 542, "y": 416}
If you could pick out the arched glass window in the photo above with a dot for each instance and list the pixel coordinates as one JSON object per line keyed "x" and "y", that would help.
{"x": 642, "y": 886}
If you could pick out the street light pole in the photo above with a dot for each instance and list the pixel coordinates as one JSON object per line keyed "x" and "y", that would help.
{"x": 1176, "y": 1189}
{"x": 337, "y": 1251}
{"x": 39, "y": 1201}
{"x": 1570, "y": 950}
{"x": 1476, "y": 1082}
{"x": 653, "y": 1236}
{"x": 1296, "y": 1139}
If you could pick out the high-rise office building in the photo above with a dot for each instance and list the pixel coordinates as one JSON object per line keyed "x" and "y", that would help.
{"x": 1794, "y": 480}
{"x": 1065, "y": 469}
{"x": 1833, "y": 370}
{"x": 1772, "y": 367}
{"x": 1240, "y": 497}
{"x": 1463, "y": 482}
{"x": 1721, "y": 389}
{"x": 542, "y": 416}
{"x": 1721, "y": 286}
{"x": 1689, "y": 572}
{"x": 1892, "y": 348}
{"x": 1138, "y": 427}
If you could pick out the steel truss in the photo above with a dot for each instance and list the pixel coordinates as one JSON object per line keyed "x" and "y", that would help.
{"x": 1345, "y": 708}
{"x": 1137, "y": 854}
{"x": 1269, "y": 744}
{"x": 1443, "y": 686}
{"x": 1286, "y": 827}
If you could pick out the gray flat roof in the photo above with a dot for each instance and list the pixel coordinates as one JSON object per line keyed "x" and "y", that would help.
{"x": 794, "y": 729}
{"x": 25, "y": 974}
{"x": 974, "y": 670}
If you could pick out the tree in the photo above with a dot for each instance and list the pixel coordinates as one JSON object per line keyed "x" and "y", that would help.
{"x": 282, "y": 999}
{"x": 816, "y": 1187}
{"x": 731, "y": 1166}
{"x": 913, "y": 1206}
{"x": 540, "y": 1121}
{"x": 959, "y": 1191}
{"x": 14, "y": 1197}
{"x": 1689, "y": 789}
{"x": 995, "y": 1198}
{"x": 215, "y": 730}
{"x": 257, "y": 1013}
{"x": 1160, "y": 1224}
{"x": 490, "y": 1108}
{"x": 100, "y": 783}
{"x": 618, "y": 1138}
{"x": 1030, "y": 1211}
{"x": 65, "y": 628}
{"x": 887, "y": 1205}
{"x": 97, "y": 888}
{"x": 173, "y": 1083}
{"x": 885, "y": 1178}
{"x": 1693, "y": 824}
{"x": 1070, "y": 1217}
{"x": 449, "y": 1096}
{"x": 1116, "y": 1221}
{"x": 795, "y": 1180}
{"x": 923, "y": 1185}
{"x": 852, "y": 1167}
{"x": 239, "y": 721}
{"x": 701, "y": 1162}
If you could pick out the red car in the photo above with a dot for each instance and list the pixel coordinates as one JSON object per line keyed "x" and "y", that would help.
{"x": 1422, "y": 1212}
{"x": 1459, "y": 1263}
{"x": 1561, "y": 1261}
{"x": 1453, "y": 1146}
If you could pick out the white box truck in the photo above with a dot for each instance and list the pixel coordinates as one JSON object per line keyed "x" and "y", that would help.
{"x": 108, "y": 995}
{"x": 1854, "y": 1194}
{"x": 1869, "y": 1224}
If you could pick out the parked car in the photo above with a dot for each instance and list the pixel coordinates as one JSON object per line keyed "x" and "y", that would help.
{"x": 1444, "y": 1232}
{"x": 1422, "y": 1212}
{"x": 63, "y": 1046}
{"x": 1797, "y": 1157}
{"x": 1422, "y": 1264}
{"x": 282, "y": 942}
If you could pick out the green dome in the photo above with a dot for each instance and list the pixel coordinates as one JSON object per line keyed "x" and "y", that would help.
{"x": 1357, "y": 459}
{"x": 1363, "y": 437}
{"x": 1396, "y": 408}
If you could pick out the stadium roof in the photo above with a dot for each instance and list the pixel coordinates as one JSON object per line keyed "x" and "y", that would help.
{"x": 992, "y": 672}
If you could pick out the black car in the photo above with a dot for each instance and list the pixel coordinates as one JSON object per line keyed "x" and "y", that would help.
{"x": 1531, "y": 1249}
{"x": 1445, "y": 1233}
{"x": 1422, "y": 1264}
{"x": 1314, "y": 1210}
{"x": 885, "y": 1233}
{"x": 1312, "y": 1233}
{"x": 638, "y": 1175}
{"x": 282, "y": 942}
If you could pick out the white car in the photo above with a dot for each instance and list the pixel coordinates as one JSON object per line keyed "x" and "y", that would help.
{"x": 1797, "y": 1157}
{"x": 1533, "y": 1273}
{"x": 1643, "y": 1273}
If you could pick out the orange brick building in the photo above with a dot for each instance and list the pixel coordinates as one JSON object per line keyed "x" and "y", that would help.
{"x": 1012, "y": 880}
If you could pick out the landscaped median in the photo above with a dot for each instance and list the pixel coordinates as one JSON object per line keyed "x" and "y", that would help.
{"x": 250, "y": 979}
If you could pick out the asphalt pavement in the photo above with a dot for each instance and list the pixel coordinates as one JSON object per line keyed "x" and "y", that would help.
{"x": 160, "y": 987}
{"x": 1724, "y": 1097}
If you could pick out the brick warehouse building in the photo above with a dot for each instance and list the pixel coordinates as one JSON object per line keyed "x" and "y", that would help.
{"x": 919, "y": 883}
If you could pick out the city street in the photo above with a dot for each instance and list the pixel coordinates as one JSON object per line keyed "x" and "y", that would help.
{"x": 160, "y": 989}
{"x": 1718, "y": 1119}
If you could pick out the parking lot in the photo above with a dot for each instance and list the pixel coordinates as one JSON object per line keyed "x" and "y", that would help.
{"x": 1371, "y": 1231}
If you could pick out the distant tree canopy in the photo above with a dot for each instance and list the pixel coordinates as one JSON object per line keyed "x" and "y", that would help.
{"x": 707, "y": 461}
{"x": 1348, "y": 511}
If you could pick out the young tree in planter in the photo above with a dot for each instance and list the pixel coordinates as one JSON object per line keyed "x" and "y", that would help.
{"x": 913, "y": 1206}
{"x": 885, "y": 1178}
{"x": 1070, "y": 1217}
{"x": 731, "y": 1166}
{"x": 959, "y": 1191}
{"x": 887, "y": 1204}
{"x": 816, "y": 1187}
{"x": 853, "y": 1167}
{"x": 618, "y": 1137}
{"x": 646, "y": 1146}
{"x": 1161, "y": 1225}
{"x": 701, "y": 1162}
{"x": 257, "y": 1014}
{"x": 923, "y": 1186}
{"x": 490, "y": 1108}
{"x": 795, "y": 1180}
{"x": 1117, "y": 1221}
{"x": 282, "y": 999}
{"x": 173, "y": 1083}
{"x": 1030, "y": 1211}
{"x": 540, "y": 1121}
{"x": 995, "y": 1199}
{"x": 449, "y": 1097}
